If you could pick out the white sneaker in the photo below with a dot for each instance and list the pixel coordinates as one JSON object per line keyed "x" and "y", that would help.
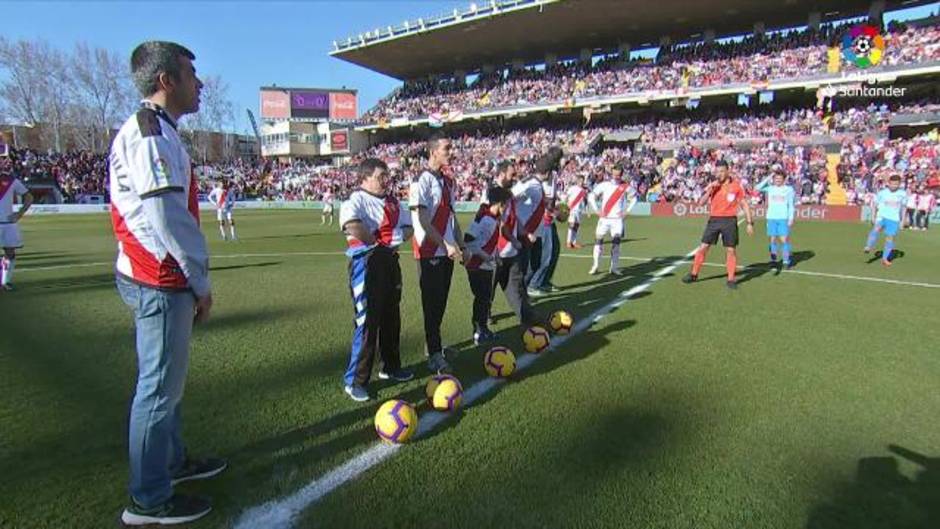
{"x": 593, "y": 271}
{"x": 616, "y": 272}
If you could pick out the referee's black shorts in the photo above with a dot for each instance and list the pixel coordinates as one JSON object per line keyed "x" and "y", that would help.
{"x": 727, "y": 227}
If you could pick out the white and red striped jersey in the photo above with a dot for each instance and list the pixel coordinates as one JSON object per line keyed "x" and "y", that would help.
{"x": 610, "y": 198}
{"x": 576, "y": 198}
{"x": 436, "y": 193}
{"x": 548, "y": 188}
{"x": 529, "y": 198}
{"x": 223, "y": 199}
{"x": 380, "y": 215}
{"x": 482, "y": 236}
{"x": 9, "y": 187}
{"x": 154, "y": 205}
{"x": 509, "y": 224}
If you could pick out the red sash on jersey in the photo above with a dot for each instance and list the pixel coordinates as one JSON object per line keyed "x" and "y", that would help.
{"x": 5, "y": 185}
{"x": 509, "y": 225}
{"x": 222, "y": 198}
{"x": 428, "y": 248}
{"x": 490, "y": 245}
{"x": 614, "y": 198}
{"x": 532, "y": 223}
{"x": 386, "y": 230}
{"x": 194, "y": 195}
{"x": 577, "y": 200}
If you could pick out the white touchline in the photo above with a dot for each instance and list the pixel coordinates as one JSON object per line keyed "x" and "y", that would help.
{"x": 799, "y": 272}
{"x": 568, "y": 255}
{"x": 280, "y": 514}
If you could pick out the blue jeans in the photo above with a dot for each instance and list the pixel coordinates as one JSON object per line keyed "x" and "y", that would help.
{"x": 540, "y": 276}
{"x": 164, "y": 324}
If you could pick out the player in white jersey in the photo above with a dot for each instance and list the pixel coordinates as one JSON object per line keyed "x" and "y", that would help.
{"x": 375, "y": 227}
{"x": 327, "y": 212}
{"x": 223, "y": 198}
{"x": 576, "y": 198}
{"x": 10, "y": 238}
{"x": 437, "y": 243}
{"x": 616, "y": 199}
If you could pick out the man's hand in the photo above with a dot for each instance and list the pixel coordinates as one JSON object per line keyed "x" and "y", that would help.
{"x": 452, "y": 251}
{"x": 750, "y": 228}
{"x": 532, "y": 237}
{"x": 203, "y": 307}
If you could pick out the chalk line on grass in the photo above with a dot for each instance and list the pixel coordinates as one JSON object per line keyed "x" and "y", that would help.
{"x": 280, "y": 513}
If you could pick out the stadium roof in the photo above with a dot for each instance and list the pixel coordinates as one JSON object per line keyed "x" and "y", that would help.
{"x": 503, "y": 30}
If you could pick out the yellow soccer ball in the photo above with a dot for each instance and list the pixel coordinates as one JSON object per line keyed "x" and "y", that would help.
{"x": 448, "y": 395}
{"x": 396, "y": 421}
{"x": 499, "y": 362}
{"x": 561, "y": 322}
{"x": 535, "y": 339}
{"x": 435, "y": 381}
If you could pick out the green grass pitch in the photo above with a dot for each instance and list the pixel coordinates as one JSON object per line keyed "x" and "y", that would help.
{"x": 806, "y": 399}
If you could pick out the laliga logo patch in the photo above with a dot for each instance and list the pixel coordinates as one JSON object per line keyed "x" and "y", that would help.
{"x": 680, "y": 209}
{"x": 863, "y": 46}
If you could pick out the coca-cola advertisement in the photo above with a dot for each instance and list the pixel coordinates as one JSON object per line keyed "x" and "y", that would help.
{"x": 343, "y": 106}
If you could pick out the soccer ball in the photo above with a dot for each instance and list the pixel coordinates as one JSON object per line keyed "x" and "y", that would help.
{"x": 444, "y": 393}
{"x": 561, "y": 322}
{"x": 535, "y": 339}
{"x": 396, "y": 421}
{"x": 499, "y": 362}
{"x": 863, "y": 46}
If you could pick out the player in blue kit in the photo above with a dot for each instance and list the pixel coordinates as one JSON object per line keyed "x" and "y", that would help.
{"x": 888, "y": 209}
{"x": 781, "y": 209}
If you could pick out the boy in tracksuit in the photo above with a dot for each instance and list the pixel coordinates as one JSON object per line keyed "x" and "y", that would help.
{"x": 482, "y": 240}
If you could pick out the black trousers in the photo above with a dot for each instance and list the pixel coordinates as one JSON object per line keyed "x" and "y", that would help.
{"x": 375, "y": 287}
{"x": 510, "y": 276}
{"x": 556, "y": 253}
{"x": 434, "y": 277}
{"x": 481, "y": 284}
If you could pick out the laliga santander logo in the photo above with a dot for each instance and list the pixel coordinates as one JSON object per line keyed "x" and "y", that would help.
{"x": 863, "y": 46}
{"x": 680, "y": 209}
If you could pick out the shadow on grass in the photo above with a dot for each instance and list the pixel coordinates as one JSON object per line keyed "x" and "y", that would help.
{"x": 57, "y": 285}
{"x": 883, "y": 498}
{"x": 895, "y": 255}
{"x": 242, "y": 266}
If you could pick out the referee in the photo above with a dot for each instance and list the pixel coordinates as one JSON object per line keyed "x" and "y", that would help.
{"x": 725, "y": 196}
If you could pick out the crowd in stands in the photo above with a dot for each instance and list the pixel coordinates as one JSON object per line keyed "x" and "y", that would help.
{"x": 867, "y": 156}
{"x": 755, "y": 59}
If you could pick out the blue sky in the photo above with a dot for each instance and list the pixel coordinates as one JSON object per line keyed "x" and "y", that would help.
{"x": 249, "y": 44}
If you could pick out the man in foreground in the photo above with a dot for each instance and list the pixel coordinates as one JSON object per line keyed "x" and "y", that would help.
{"x": 163, "y": 276}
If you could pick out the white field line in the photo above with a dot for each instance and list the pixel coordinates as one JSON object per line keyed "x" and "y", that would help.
{"x": 281, "y": 513}
{"x": 799, "y": 272}
{"x": 568, "y": 255}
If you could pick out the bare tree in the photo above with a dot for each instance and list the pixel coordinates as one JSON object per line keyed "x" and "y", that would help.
{"x": 22, "y": 90}
{"x": 101, "y": 90}
{"x": 216, "y": 114}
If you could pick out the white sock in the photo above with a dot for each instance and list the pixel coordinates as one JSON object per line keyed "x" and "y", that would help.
{"x": 8, "y": 265}
{"x": 598, "y": 250}
{"x": 231, "y": 228}
{"x": 222, "y": 230}
{"x": 614, "y": 256}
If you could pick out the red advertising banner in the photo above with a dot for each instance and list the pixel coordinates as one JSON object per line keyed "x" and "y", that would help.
{"x": 343, "y": 106}
{"x": 275, "y": 104}
{"x": 339, "y": 140}
{"x": 803, "y": 212}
